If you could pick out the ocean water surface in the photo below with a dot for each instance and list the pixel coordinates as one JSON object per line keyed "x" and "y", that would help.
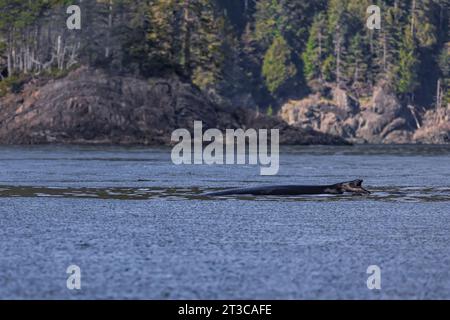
{"x": 139, "y": 226}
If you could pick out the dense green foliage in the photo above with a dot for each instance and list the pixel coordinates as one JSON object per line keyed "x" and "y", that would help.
{"x": 262, "y": 50}
{"x": 278, "y": 68}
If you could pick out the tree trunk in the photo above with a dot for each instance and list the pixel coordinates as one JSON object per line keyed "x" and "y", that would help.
{"x": 338, "y": 60}
{"x": 438, "y": 94}
{"x": 320, "y": 54}
{"x": 110, "y": 21}
{"x": 413, "y": 14}
{"x": 384, "y": 52}
{"x": 9, "y": 58}
{"x": 187, "y": 38}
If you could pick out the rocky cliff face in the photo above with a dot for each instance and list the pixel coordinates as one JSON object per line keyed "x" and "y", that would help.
{"x": 435, "y": 127}
{"x": 93, "y": 107}
{"x": 383, "y": 119}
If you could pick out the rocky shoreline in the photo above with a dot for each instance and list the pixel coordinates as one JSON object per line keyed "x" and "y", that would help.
{"x": 89, "y": 106}
{"x": 381, "y": 120}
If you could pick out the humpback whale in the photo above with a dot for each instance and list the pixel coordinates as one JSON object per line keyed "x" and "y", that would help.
{"x": 353, "y": 187}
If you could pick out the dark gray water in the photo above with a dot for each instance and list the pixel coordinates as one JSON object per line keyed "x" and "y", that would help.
{"x": 138, "y": 226}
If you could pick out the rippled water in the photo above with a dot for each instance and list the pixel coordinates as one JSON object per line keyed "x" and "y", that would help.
{"x": 140, "y": 227}
{"x": 401, "y": 194}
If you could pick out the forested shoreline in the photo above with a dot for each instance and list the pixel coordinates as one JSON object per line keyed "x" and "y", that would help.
{"x": 315, "y": 64}
{"x": 260, "y": 52}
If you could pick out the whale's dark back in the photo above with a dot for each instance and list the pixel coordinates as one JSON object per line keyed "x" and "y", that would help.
{"x": 354, "y": 186}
